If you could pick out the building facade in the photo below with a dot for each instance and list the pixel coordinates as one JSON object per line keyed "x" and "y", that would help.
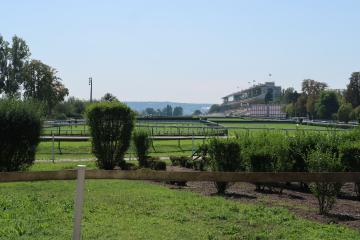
{"x": 255, "y": 94}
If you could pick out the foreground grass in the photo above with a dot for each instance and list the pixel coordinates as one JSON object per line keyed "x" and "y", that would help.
{"x": 138, "y": 210}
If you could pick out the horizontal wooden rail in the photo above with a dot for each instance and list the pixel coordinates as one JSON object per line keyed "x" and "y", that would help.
{"x": 341, "y": 177}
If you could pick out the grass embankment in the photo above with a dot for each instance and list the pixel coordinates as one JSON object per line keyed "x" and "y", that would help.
{"x": 117, "y": 209}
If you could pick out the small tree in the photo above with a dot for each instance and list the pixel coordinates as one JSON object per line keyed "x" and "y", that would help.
{"x": 142, "y": 143}
{"x": 111, "y": 125}
{"x": 225, "y": 155}
{"x": 325, "y": 192}
{"x": 344, "y": 112}
{"x": 19, "y": 134}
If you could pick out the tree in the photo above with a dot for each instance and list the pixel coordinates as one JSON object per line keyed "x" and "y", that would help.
{"x": 4, "y": 58}
{"x": 150, "y": 111}
{"x": 310, "y": 106}
{"x": 300, "y": 106}
{"x": 344, "y": 112}
{"x": 167, "y": 111}
{"x": 214, "y": 108}
{"x": 12, "y": 60}
{"x": 41, "y": 83}
{"x": 327, "y": 104}
{"x": 352, "y": 93}
{"x": 197, "y": 113}
{"x": 108, "y": 97}
{"x": 289, "y": 95}
{"x": 313, "y": 88}
{"x": 178, "y": 111}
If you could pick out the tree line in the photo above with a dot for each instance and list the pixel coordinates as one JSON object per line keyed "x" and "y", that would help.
{"x": 317, "y": 101}
{"x": 22, "y": 77}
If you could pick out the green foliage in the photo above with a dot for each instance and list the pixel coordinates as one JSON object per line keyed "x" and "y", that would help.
{"x": 19, "y": 134}
{"x": 225, "y": 155}
{"x": 158, "y": 165}
{"x": 178, "y": 111}
{"x": 352, "y": 93}
{"x": 344, "y": 112}
{"x": 42, "y": 84}
{"x": 319, "y": 161}
{"x": 181, "y": 161}
{"x": 142, "y": 143}
{"x": 350, "y": 158}
{"x": 327, "y": 104}
{"x": 108, "y": 97}
{"x": 111, "y": 125}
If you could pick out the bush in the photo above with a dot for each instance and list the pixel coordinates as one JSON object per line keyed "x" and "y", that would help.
{"x": 111, "y": 124}
{"x": 181, "y": 161}
{"x": 225, "y": 155}
{"x": 158, "y": 165}
{"x": 142, "y": 143}
{"x": 19, "y": 134}
{"x": 350, "y": 158}
{"x": 325, "y": 192}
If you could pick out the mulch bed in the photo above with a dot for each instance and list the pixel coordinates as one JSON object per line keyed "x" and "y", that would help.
{"x": 303, "y": 204}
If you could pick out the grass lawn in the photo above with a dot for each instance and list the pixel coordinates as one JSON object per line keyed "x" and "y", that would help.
{"x": 119, "y": 209}
{"x": 82, "y": 150}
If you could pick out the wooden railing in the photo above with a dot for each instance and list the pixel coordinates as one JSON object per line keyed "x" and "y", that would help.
{"x": 341, "y": 177}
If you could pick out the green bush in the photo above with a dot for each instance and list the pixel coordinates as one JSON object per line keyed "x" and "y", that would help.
{"x": 181, "y": 161}
{"x": 142, "y": 143}
{"x": 158, "y": 165}
{"x": 325, "y": 192}
{"x": 225, "y": 155}
{"x": 20, "y": 128}
{"x": 350, "y": 158}
{"x": 111, "y": 125}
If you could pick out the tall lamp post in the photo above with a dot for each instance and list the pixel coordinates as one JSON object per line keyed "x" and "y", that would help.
{"x": 90, "y": 83}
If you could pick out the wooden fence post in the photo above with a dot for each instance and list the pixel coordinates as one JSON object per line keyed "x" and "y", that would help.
{"x": 79, "y": 201}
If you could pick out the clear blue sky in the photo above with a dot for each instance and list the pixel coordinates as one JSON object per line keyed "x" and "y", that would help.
{"x": 188, "y": 51}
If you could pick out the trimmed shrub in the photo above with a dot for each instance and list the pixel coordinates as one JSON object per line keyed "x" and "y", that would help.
{"x": 325, "y": 192}
{"x": 158, "y": 165}
{"x": 225, "y": 155}
{"x": 181, "y": 161}
{"x": 350, "y": 159}
{"x": 20, "y": 128}
{"x": 111, "y": 124}
{"x": 142, "y": 143}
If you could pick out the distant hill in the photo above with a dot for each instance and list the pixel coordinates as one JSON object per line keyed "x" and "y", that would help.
{"x": 188, "y": 108}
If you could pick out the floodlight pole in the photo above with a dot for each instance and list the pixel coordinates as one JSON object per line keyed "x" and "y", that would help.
{"x": 91, "y": 85}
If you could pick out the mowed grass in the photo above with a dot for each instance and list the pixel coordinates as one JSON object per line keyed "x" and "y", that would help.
{"x": 82, "y": 150}
{"x": 119, "y": 209}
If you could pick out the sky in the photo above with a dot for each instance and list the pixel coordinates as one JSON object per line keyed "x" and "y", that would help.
{"x": 192, "y": 51}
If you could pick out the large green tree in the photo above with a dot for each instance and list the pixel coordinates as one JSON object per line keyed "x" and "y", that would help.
{"x": 352, "y": 93}
{"x": 41, "y": 83}
{"x": 327, "y": 104}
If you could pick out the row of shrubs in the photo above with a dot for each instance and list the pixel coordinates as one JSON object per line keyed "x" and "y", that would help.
{"x": 111, "y": 126}
{"x": 302, "y": 152}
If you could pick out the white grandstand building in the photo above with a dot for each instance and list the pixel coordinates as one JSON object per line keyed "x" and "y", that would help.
{"x": 251, "y": 102}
